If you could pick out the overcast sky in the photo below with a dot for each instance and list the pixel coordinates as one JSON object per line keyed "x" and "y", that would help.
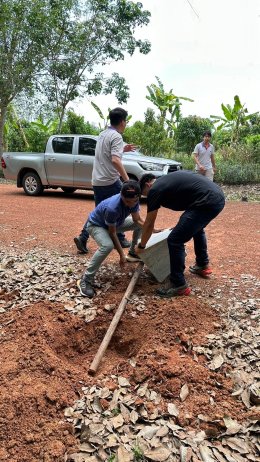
{"x": 209, "y": 55}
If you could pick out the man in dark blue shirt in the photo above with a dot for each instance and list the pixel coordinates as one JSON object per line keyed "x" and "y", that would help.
{"x": 110, "y": 217}
{"x": 201, "y": 200}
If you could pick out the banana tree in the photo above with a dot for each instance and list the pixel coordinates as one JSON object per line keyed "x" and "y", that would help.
{"x": 234, "y": 118}
{"x": 102, "y": 117}
{"x": 166, "y": 102}
{"x": 47, "y": 128}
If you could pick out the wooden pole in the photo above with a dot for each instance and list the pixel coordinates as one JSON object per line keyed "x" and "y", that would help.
{"x": 106, "y": 340}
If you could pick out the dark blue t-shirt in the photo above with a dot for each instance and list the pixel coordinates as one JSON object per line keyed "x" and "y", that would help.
{"x": 111, "y": 211}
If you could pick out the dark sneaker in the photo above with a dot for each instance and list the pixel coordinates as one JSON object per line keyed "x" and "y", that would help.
{"x": 203, "y": 271}
{"x": 131, "y": 256}
{"x": 82, "y": 248}
{"x": 125, "y": 244}
{"x": 86, "y": 288}
{"x": 173, "y": 291}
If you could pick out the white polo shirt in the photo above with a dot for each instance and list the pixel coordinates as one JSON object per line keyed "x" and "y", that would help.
{"x": 204, "y": 155}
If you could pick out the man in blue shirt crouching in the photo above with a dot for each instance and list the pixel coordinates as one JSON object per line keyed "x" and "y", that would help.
{"x": 118, "y": 213}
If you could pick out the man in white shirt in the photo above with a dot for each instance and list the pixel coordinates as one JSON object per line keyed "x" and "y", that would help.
{"x": 204, "y": 157}
{"x": 108, "y": 169}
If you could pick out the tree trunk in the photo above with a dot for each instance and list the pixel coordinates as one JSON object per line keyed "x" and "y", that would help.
{"x": 20, "y": 127}
{"x": 3, "y": 111}
{"x": 61, "y": 117}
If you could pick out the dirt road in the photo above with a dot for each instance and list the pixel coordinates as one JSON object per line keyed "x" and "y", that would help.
{"x": 49, "y": 334}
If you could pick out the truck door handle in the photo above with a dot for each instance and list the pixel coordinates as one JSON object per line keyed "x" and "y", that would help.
{"x": 51, "y": 159}
{"x": 79, "y": 161}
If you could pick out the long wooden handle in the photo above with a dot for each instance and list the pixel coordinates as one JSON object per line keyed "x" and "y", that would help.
{"x": 106, "y": 340}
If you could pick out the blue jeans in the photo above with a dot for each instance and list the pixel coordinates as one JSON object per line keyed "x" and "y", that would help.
{"x": 101, "y": 193}
{"x": 190, "y": 225}
{"x": 106, "y": 244}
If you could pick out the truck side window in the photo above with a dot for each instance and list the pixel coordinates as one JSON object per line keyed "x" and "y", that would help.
{"x": 87, "y": 146}
{"x": 62, "y": 145}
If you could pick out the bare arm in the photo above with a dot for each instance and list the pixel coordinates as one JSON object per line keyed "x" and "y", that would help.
{"x": 116, "y": 161}
{"x": 138, "y": 219}
{"x": 112, "y": 233}
{"x": 213, "y": 162}
{"x": 148, "y": 228}
{"x": 196, "y": 158}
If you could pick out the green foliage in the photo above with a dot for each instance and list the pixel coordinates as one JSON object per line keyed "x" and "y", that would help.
{"x": 100, "y": 33}
{"x": 166, "y": 102}
{"x": 54, "y": 47}
{"x": 75, "y": 124}
{"x": 253, "y": 143}
{"x": 236, "y": 154}
{"x": 150, "y": 136}
{"x": 37, "y": 132}
{"x": 190, "y": 132}
{"x": 237, "y": 174}
{"x": 234, "y": 118}
{"x": 24, "y": 27}
{"x": 112, "y": 458}
{"x": 221, "y": 138}
{"x": 138, "y": 454}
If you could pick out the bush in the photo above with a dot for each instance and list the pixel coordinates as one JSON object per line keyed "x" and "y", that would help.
{"x": 150, "y": 136}
{"x": 253, "y": 143}
{"x": 237, "y": 154}
{"x": 237, "y": 174}
{"x": 190, "y": 132}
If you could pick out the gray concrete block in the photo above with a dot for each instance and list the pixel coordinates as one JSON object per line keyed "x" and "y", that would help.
{"x": 156, "y": 255}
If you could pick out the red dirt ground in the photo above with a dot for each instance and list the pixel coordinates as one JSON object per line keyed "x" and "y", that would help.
{"x": 46, "y": 352}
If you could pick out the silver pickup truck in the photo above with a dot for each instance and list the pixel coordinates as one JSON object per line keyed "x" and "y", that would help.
{"x": 67, "y": 164}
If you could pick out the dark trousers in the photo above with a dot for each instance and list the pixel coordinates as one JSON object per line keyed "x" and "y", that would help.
{"x": 190, "y": 225}
{"x": 101, "y": 193}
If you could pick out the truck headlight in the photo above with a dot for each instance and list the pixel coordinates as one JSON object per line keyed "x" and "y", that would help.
{"x": 151, "y": 166}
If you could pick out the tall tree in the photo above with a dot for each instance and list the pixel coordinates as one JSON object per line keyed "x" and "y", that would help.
{"x": 59, "y": 43}
{"x": 24, "y": 27}
{"x": 234, "y": 118}
{"x": 102, "y": 33}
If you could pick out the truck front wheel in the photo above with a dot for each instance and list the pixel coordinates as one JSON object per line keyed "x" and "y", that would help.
{"x": 32, "y": 184}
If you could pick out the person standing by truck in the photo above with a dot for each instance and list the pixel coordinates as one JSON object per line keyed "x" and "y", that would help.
{"x": 108, "y": 170}
{"x": 204, "y": 157}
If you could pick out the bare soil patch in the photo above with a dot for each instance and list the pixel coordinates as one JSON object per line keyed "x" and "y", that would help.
{"x": 46, "y": 350}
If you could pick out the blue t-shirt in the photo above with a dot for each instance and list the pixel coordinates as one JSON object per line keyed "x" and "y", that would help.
{"x": 111, "y": 211}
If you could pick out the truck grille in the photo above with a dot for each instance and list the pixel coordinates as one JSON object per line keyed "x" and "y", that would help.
{"x": 174, "y": 168}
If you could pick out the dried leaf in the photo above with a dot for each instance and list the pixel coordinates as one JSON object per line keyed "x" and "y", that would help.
{"x": 123, "y": 455}
{"x": 216, "y": 362}
{"x": 173, "y": 410}
{"x": 206, "y": 454}
{"x": 158, "y": 455}
{"x": 184, "y": 392}
{"x": 123, "y": 382}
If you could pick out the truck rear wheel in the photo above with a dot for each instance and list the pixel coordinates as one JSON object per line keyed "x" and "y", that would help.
{"x": 68, "y": 190}
{"x": 32, "y": 184}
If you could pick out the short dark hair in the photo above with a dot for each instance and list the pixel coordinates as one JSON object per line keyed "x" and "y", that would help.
{"x": 145, "y": 179}
{"x": 131, "y": 189}
{"x": 117, "y": 115}
{"x": 207, "y": 133}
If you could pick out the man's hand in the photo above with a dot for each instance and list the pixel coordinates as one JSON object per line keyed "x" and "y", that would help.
{"x": 202, "y": 168}
{"x": 130, "y": 148}
{"x": 122, "y": 260}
